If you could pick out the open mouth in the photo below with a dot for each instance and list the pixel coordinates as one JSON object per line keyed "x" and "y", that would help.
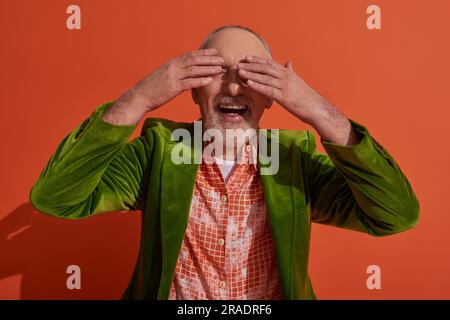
{"x": 233, "y": 110}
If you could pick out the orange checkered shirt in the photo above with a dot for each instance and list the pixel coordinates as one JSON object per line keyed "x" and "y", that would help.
{"x": 227, "y": 251}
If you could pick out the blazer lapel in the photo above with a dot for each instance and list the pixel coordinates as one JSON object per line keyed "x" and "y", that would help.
{"x": 282, "y": 204}
{"x": 178, "y": 182}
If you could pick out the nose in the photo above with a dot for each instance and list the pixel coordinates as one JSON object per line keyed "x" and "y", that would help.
{"x": 233, "y": 84}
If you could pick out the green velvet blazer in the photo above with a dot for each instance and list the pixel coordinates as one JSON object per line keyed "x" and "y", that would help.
{"x": 95, "y": 169}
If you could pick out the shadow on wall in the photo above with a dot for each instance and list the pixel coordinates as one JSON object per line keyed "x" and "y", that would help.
{"x": 37, "y": 249}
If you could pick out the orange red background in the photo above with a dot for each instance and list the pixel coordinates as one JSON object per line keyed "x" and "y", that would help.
{"x": 395, "y": 81}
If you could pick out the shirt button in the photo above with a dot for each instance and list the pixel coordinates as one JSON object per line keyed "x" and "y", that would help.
{"x": 223, "y": 198}
{"x": 222, "y": 284}
{"x": 221, "y": 242}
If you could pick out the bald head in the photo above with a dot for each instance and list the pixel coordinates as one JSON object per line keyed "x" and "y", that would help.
{"x": 237, "y": 39}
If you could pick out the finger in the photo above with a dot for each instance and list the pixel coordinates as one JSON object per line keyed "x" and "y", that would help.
{"x": 262, "y": 68}
{"x": 269, "y": 61}
{"x": 200, "y": 71}
{"x": 260, "y": 78}
{"x": 191, "y": 83}
{"x": 202, "y": 60}
{"x": 269, "y": 91}
{"x": 289, "y": 65}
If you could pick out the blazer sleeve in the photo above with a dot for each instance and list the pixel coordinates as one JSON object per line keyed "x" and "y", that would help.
{"x": 93, "y": 170}
{"x": 360, "y": 187}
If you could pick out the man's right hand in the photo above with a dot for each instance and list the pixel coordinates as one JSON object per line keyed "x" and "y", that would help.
{"x": 190, "y": 70}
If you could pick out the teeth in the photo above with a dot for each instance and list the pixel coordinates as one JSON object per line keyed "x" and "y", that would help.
{"x": 233, "y": 107}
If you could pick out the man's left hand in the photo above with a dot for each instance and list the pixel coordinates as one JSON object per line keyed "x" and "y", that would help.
{"x": 281, "y": 83}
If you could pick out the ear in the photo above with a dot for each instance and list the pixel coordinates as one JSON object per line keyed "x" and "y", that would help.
{"x": 194, "y": 96}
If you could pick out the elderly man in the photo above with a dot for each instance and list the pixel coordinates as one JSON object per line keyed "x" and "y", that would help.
{"x": 221, "y": 229}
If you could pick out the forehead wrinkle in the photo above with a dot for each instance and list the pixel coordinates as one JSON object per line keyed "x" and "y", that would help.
{"x": 233, "y": 58}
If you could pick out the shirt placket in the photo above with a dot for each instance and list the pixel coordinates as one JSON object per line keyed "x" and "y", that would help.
{"x": 221, "y": 285}
{"x": 229, "y": 241}
{"x": 234, "y": 258}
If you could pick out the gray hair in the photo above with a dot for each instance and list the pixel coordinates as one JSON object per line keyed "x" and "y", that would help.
{"x": 235, "y": 26}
